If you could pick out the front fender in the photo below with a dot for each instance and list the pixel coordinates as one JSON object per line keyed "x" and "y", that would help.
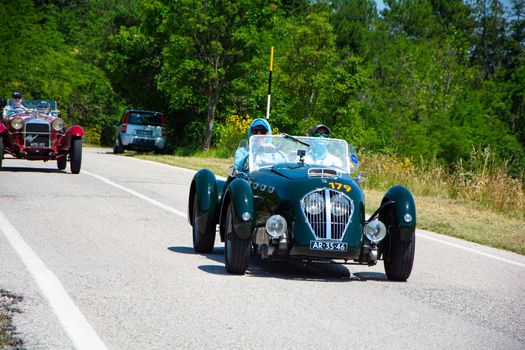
{"x": 241, "y": 198}
{"x": 3, "y": 128}
{"x": 404, "y": 211}
{"x": 75, "y": 130}
{"x": 203, "y": 190}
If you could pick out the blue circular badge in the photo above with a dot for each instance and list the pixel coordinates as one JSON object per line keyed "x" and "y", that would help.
{"x": 353, "y": 157}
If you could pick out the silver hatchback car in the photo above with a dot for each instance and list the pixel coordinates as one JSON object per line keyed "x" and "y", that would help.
{"x": 140, "y": 130}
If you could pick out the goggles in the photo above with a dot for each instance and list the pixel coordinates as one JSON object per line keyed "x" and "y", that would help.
{"x": 259, "y": 131}
{"x": 321, "y": 134}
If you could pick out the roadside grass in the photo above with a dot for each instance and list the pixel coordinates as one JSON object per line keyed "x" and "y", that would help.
{"x": 443, "y": 206}
{"x": 8, "y": 334}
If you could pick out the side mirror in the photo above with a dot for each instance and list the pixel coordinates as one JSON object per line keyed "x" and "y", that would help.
{"x": 360, "y": 178}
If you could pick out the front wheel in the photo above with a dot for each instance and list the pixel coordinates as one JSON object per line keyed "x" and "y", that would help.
{"x": 203, "y": 237}
{"x": 76, "y": 155}
{"x": 236, "y": 250}
{"x": 1, "y": 150}
{"x": 400, "y": 257}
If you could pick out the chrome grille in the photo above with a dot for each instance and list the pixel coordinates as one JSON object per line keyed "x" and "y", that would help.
{"x": 328, "y": 212}
{"x": 37, "y": 134}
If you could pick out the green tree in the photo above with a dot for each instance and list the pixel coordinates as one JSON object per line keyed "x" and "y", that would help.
{"x": 205, "y": 52}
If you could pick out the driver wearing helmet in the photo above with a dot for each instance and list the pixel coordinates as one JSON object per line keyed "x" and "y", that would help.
{"x": 264, "y": 150}
{"x": 318, "y": 153}
{"x": 14, "y": 105}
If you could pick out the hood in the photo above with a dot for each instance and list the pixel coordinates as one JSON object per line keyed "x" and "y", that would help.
{"x": 257, "y": 122}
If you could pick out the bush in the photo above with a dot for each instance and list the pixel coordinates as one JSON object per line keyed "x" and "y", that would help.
{"x": 231, "y": 132}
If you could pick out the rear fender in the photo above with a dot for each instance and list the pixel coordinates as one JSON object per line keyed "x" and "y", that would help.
{"x": 401, "y": 214}
{"x": 203, "y": 190}
{"x": 240, "y": 195}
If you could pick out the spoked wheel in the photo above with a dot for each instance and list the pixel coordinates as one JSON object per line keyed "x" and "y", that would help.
{"x": 203, "y": 237}
{"x": 76, "y": 155}
{"x": 62, "y": 162}
{"x": 1, "y": 150}
{"x": 236, "y": 250}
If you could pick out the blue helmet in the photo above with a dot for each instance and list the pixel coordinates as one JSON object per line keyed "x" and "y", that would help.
{"x": 259, "y": 122}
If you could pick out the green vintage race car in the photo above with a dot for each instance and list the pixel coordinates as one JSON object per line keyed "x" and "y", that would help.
{"x": 288, "y": 203}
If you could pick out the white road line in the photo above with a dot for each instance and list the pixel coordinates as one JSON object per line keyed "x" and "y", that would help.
{"x": 74, "y": 323}
{"x": 137, "y": 194}
{"x": 471, "y": 250}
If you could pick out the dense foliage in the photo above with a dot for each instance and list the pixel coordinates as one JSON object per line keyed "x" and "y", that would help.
{"x": 426, "y": 79}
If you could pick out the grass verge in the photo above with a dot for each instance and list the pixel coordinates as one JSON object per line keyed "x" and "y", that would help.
{"x": 8, "y": 335}
{"x": 454, "y": 217}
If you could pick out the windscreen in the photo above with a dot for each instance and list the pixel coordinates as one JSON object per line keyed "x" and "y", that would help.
{"x": 145, "y": 118}
{"x": 267, "y": 151}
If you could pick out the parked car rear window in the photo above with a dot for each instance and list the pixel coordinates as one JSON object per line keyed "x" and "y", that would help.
{"x": 145, "y": 119}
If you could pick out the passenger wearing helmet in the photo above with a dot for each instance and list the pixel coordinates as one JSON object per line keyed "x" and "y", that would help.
{"x": 318, "y": 152}
{"x": 264, "y": 149}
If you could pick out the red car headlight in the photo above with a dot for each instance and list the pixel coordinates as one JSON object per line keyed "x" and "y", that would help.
{"x": 17, "y": 123}
{"x": 58, "y": 124}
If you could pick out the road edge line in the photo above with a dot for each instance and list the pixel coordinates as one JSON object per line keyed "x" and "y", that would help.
{"x": 69, "y": 315}
{"x": 508, "y": 261}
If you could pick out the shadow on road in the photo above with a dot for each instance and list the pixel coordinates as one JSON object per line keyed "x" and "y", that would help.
{"x": 290, "y": 269}
{"x": 32, "y": 170}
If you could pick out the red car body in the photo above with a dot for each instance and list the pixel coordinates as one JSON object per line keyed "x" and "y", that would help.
{"x": 39, "y": 134}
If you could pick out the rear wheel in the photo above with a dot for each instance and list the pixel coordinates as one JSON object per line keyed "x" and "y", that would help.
{"x": 118, "y": 147}
{"x": 62, "y": 162}
{"x": 76, "y": 155}
{"x": 236, "y": 250}
{"x": 203, "y": 237}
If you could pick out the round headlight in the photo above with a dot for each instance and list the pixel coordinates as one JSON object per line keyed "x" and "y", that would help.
{"x": 314, "y": 204}
{"x": 17, "y": 123}
{"x": 276, "y": 226}
{"x": 340, "y": 205}
{"x": 375, "y": 231}
{"x": 58, "y": 124}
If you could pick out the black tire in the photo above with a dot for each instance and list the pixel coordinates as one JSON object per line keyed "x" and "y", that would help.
{"x": 236, "y": 250}
{"x": 76, "y": 155}
{"x": 1, "y": 150}
{"x": 203, "y": 237}
{"x": 118, "y": 147}
{"x": 62, "y": 162}
{"x": 399, "y": 257}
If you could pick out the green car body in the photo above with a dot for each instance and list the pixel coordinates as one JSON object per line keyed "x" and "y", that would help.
{"x": 323, "y": 208}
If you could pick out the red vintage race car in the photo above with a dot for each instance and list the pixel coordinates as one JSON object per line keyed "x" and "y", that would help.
{"x": 33, "y": 130}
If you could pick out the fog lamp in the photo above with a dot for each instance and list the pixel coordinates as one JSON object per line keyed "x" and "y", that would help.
{"x": 276, "y": 226}
{"x": 17, "y": 123}
{"x": 58, "y": 124}
{"x": 375, "y": 231}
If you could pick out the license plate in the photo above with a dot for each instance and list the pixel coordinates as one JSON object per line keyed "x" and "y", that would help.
{"x": 329, "y": 246}
{"x": 144, "y": 132}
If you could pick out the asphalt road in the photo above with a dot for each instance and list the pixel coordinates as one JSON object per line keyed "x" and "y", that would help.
{"x": 104, "y": 259}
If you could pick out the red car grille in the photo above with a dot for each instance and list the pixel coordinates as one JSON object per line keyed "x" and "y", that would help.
{"x": 37, "y": 135}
